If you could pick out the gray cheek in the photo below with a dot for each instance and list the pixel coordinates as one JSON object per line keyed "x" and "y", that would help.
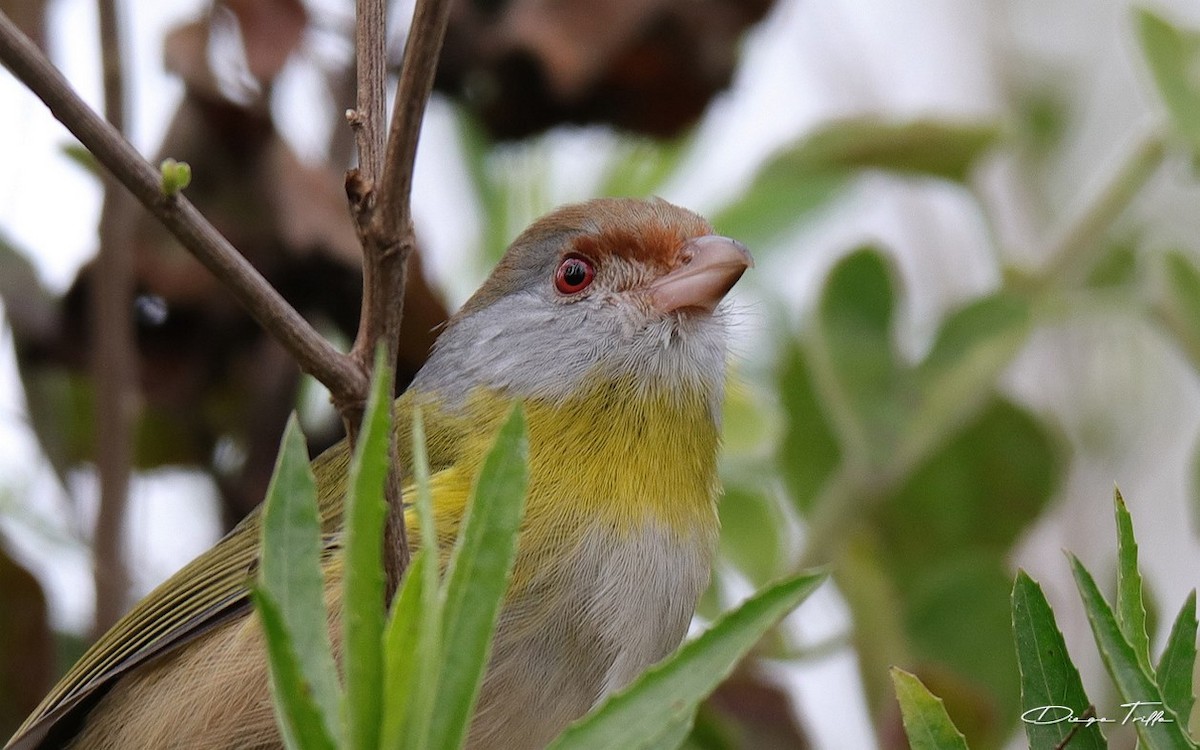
{"x": 540, "y": 348}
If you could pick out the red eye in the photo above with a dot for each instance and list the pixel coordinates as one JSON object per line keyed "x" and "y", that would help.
{"x": 574, "y": 274}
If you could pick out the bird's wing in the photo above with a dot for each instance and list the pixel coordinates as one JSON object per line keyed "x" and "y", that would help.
{"x": 206, "y": 593}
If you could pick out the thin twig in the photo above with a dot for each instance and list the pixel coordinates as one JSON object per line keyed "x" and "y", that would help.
{"x": 380, "y": 200}
{"x": 346, "y": 382}
{"x": 112, "y": 354}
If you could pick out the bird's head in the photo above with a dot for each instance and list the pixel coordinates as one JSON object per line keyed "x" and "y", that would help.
{"x": 599, "y": 292}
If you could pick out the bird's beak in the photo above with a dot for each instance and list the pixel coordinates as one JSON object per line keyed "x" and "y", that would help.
{"x": 707, "y": 269}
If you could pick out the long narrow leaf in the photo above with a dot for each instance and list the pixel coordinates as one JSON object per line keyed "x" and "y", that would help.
{"x": 300, "y": 719}
{"x": 1049, "y": 680}
{"x": 477, "y": 579}
{"x": 401, "y": 658}
{"x": 1131, "y": 612}
{"x": 674, "y": 688}
{"x": 1178, "y": 659}
{"x": 673, "y": 735}
{"x": 1133, "y": 684}
{"x": 363, "y": 584}
{"x": 424, "y": 691}
{"x": 926, "y": 722}
{"x": 291, "y": 571}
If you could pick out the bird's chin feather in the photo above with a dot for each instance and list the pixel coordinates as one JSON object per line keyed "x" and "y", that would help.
{"x": 536, "y": 348}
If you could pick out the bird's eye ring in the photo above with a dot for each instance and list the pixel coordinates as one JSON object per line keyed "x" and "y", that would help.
{"x": 574, "y": 274}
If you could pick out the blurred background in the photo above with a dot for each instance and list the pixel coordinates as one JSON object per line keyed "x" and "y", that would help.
{"x": 976, "y": 307}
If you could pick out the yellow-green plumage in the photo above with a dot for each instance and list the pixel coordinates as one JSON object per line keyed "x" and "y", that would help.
{"x": 621, "y": 394}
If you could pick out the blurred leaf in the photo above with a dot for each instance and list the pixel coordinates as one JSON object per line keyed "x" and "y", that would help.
{"x": 1183, "y": 304}
{"x": 1048, "y": 676}
{"x": 477, "y": 578}
{"x": 809, "y": 451}
{"x": 1133, "y": 684}
{"x": 363, "y": 583}
{"x": 935, "y": 148}
{"x": 978, "y": 492}
{"x": 1175, "y": 667}
{"x": 1131, "y": 613}
{"x": 642, "y": 165}
{"x": 806, "y": 176}
{"x": 855, "y": 320}
{"x": 1173, "y": 55}
{"x": 750, "y": 424}
{"x": 81, "y": 157}
{"x": 998, "y": 316}
{"x": 784, "y": 192}
{"x": 302, "y": 722}
{"x": 752, "y": 528}
{"x": 293, "y": 585}
{"x": 1117, "y": 267}
{"x": 675, "y": 687}
{"x": 925, "y": 720}
{"x": 956, "y": 617}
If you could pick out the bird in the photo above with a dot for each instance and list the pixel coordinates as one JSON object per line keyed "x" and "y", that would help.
{"x": 608, "y": 320}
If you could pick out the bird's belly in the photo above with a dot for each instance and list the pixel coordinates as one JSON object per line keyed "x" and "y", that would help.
{"x": 569, "y": 636}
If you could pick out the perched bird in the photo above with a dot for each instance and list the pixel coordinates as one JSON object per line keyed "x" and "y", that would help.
{"x": 605, "y": 319}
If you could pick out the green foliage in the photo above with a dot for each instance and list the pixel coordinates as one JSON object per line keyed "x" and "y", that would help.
{"x": 1156, "y": 701}
{"x": 1048, "y": 676}
{"x": 428, "y": 659}
{"x": 804, "y": 177}
{"x": 926, "y": 722}
{"x": 291, "y": 592}
{"x": 363, "y": 583}
{"x": 1173, "y": 54}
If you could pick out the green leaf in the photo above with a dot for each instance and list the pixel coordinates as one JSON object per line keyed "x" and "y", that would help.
{"x": 926, "y": 722}
{"x": 809, "y": 451}
{"x": 752, "y": 528}
{"x": 363, "y": 583}
{"x": 478, "y": 577}
{"x": 1002, "y": 316}
{"x": 1173, "y": 55}
{"x": 303, "y": 724}
{"x": 977, "y": 493}
{"x": 401, "y": 654}
{"x": 428, "y": 644}
{"x": 1178, "y": 660}
{"x": 673, "y": 734}
{"x": 933, "y": 148}
{"x": 675, "y": 687}
{"x": 291, "y": 574}
{"x": 784, "y": 193}
{"x": 1133, "y": 684}
{"x": 855, "y": 323}
{"x": 957, "y": 620}
{"x": 1048, "y": 676}
{"x": 1131, "y": 612}
{"x": 642, "y": 165}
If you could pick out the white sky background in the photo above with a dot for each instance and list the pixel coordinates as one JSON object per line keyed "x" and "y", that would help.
{"x": 809, "y": 62}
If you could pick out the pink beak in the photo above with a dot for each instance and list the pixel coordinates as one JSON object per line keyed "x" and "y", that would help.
{"x": 706, "y": 270}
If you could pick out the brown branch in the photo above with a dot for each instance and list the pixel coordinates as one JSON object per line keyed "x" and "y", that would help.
{"x": 380, "y": 200}
{"x": 346, "y": 381}
{"x": 112, "y": 355}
